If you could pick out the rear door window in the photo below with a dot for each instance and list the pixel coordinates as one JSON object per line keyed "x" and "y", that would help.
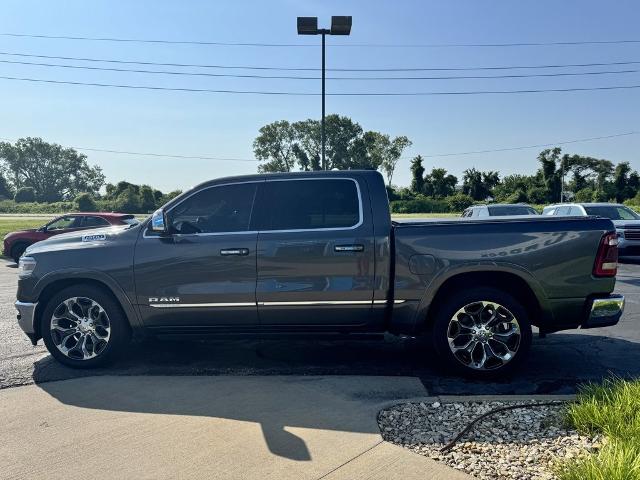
{"x": 311, "y": 204}
{"x": 575, "y": 211}
{"x": 511, "y": 210}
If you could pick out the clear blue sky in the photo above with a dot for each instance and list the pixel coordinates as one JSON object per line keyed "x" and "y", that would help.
{"x": 225, "y": 125}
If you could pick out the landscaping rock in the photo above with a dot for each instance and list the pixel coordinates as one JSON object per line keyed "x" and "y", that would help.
{"x": 520, "y": 444}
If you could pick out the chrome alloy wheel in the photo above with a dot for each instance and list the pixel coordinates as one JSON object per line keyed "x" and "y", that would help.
{"x": 484, "y": 335}
{"x": 80, "y": 328}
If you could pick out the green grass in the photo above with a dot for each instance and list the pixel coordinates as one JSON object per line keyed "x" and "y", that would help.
{"x": 613, "y": 410}
{"x": 614, "y": 461}
{"x": 11, "y": 225}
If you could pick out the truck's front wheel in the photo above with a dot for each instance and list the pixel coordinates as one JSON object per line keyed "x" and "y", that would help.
{"x": 482, "y": 332}
{"x": 83, "y": 326}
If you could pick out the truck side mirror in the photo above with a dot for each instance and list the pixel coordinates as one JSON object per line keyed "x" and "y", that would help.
{"x": 158, "y": 221}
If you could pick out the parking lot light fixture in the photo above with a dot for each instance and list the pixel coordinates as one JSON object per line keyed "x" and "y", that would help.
{"x": 340, "y": 25}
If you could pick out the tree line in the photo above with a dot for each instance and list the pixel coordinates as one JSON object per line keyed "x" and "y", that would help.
{"x": 282, "y": 146}
{"x": 41, "y": 177}
{"x": 560, "y": 177}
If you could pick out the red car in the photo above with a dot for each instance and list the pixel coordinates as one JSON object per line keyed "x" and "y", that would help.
{"x": 15, "y": 243}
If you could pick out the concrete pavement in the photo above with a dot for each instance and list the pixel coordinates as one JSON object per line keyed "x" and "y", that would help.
{"x": 223, "y": 427}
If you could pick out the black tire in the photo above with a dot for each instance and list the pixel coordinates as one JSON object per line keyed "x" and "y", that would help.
{"x": 17, "y": 251}
{"x": 462, "y": 361}
{"x": 119, "y": 329}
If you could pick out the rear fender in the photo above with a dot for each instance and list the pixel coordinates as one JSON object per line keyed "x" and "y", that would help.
{"x": 423, "y": 310}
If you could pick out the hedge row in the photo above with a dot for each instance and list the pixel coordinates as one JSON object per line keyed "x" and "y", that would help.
{"x": 10, "y": 206}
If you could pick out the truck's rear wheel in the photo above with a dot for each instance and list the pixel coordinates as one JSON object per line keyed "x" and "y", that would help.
{"x": 83, "y": 327}
{"x": 482, "y": 332}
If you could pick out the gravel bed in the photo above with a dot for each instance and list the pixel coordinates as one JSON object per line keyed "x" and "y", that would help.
{"x": 517, "y": 444}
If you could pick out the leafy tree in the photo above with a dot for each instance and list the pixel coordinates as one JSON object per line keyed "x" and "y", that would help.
{"x": 283, "y": 146}
{"x": 625, "y": 182}
{"x": 5, "y": 189}
{"x": 550, "y": 173}
{"x": 439, "y": 183}
{"x": 147, "y": 199}
{"x": 25, "y": 194}
{"x": 479, "y": 185}
{"x": 85, "y": 203}
{"x": 342, "y": 136}
{"x": 519, "y": 196}
{"x": 274, "y": 145}
{"x": 392, "y": 151}
{"x": 55, "y": 173}
{"x": 417, "y": 175}
{"x": 128, "y": 201}
{"x": 169, "y": 196}
{"x": 537, "y": 195}
{"x": 514, "y": 187}
{"x": 113, "y": 191}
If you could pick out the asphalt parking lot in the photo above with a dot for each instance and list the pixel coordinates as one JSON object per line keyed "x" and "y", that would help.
{"x": 558, "y": 363}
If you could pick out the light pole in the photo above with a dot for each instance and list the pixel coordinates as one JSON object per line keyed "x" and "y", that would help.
{"x": 309, "y": 26}
{"x": 562, "y": 184}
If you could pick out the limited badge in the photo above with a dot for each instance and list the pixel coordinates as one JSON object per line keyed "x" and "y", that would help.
{"x": 94, "y": 238}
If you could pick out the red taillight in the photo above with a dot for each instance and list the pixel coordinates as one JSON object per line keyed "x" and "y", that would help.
{"x": 607, "y": 259}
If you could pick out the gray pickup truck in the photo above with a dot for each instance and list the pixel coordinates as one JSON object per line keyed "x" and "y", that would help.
{"x": 317, "y": 252}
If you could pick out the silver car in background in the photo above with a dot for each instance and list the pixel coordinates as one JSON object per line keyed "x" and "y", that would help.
{"x": 499, "y": 210}
{"x": 626, "y": 221}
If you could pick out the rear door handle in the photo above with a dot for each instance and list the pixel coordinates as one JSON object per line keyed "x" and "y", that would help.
{"x": 234, "y": 251}
{"x": 349, "y": 248}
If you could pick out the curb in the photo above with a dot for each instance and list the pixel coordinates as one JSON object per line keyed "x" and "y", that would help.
{"x": 477, "y": 398}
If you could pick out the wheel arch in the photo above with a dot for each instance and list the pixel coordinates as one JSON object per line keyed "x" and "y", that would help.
{"x": 47, "y": 287}
{"x": 524, "y": 289}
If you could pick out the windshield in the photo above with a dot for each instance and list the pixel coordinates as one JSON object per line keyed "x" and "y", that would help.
{"x": 131, "y": 220}
{"x": 613, "y": 212}
{"x": 503, "y": 210}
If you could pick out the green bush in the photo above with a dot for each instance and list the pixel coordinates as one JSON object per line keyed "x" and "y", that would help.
{"x": 519, "y": 196}
{"x": 420, "y": 204}
{"x": 85, "y": 203}
{"x": 128, "y": 201}
{"x": 599, "y": 196}
{"x": 537, "y": 195}
{"x": 10, "y": 206}
{"x": 24, "y": 195}
{"x": 585, "y": 195}
{"x": 459, "y": 202}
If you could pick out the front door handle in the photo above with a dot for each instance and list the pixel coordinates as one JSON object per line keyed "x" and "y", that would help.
{"x": 349, "y": 248}
{"x": 234, "y": 251}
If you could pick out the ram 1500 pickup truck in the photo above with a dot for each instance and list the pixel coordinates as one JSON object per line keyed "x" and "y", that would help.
{"x": 317, "y": 252}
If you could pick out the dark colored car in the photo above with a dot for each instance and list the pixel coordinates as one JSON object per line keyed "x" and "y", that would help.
{"x": 15, "y": 243}
{"x": 498, "y": 210}
{"x": 626, "y": 221}
{"x": 317, "y": 252}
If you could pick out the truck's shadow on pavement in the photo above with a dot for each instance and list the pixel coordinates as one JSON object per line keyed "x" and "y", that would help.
{"x": 557, "y": 364}
{"x": 252, "y": 381}
{"x": 277, "y": 404}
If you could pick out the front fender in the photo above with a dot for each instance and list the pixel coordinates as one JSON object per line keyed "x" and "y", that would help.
{"x": 78, "y": 274}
